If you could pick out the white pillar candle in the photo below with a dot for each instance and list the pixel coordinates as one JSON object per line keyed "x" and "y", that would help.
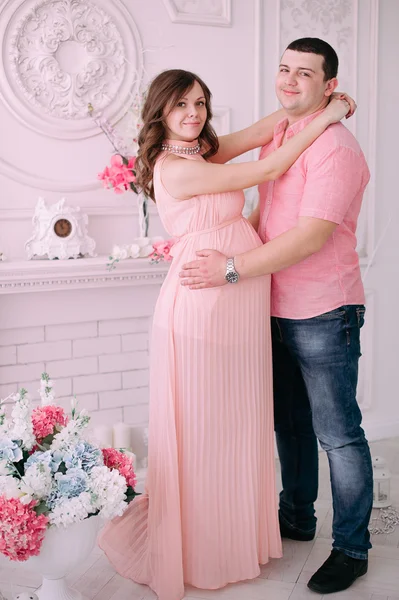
{"x": 103, "y": 436}
{"x": 122, "y": 436}
{"x": 139, "y": 437}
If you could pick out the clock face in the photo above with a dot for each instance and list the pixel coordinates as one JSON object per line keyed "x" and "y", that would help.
{"x": 63, "y": 228}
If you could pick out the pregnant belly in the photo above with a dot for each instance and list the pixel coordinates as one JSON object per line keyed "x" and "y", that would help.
{"x": 233, "y": 239}
{"x": 209, "y": 304}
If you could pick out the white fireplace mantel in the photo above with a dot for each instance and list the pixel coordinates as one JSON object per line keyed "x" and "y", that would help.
{"x": 45, "y": 275}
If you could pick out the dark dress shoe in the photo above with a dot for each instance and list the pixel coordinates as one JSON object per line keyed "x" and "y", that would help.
{"x": 337, "y": 573}
{"x": 295, "y": 534}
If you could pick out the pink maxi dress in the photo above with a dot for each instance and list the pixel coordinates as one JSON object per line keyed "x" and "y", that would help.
{"x": 209, "y": 514}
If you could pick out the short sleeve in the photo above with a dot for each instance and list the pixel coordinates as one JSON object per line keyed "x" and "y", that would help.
{"x": 332, "y": 183}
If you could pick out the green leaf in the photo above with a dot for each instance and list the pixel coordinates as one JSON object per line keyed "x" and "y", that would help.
{"x": 62, "y": 468}
{"x": 131, "y": 494}
{"x": 41, "y": 508}
{"x": 20, "y": 467}
{"x": 94, "y": 514}
{"x": 48, "y": 440}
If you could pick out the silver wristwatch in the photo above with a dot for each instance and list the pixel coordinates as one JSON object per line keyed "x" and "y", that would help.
{"x": 231, "y": 274}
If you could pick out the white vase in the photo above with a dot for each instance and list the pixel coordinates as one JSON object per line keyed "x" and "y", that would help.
{"x": 63, "y": 549}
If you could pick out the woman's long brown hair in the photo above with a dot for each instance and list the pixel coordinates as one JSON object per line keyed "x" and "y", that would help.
{"x": 166, "y": 90}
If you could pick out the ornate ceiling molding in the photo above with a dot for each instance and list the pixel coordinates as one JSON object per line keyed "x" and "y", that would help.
{"x": 61, "y": 55}
{"x": 200, "y": 12}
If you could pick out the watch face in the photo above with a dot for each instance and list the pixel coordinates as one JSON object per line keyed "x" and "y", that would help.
{"x": 232, "y": 277}
{"x": 63, "y": 228}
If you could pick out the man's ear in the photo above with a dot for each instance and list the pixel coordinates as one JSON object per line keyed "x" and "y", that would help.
{"x": 331, "y": 86}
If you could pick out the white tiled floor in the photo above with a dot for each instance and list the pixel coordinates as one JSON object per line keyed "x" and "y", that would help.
{"x": 283, "y": 579}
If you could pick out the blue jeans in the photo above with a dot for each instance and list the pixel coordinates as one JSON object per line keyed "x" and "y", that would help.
{"x": 315, "y": 372}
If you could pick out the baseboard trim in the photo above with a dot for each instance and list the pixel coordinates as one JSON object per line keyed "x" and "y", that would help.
{"x": 381, "y": 431}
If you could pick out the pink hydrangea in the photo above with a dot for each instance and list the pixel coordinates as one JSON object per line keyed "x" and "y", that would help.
{"x": 119, "y": 175}
{"x": 21, "y": 529}
{"x": 46, "y": 419}
{"x": 113, "y": 459}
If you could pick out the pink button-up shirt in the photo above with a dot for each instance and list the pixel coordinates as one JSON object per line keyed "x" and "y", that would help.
{"x": 327, "y": 182}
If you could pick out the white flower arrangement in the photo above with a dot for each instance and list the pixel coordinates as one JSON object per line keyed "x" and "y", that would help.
{"x": 142, "y": 247}
{"x": 51, "y": 474}
{"x": 21, "y": 427}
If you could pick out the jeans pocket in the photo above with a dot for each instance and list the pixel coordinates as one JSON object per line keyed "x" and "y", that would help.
{"x": 337, "y": 313}
{"x": 360, "y": 312}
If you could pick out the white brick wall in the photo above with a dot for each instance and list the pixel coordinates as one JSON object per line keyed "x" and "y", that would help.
{"x": 8, "y": 355}
{"x": 103, "y": 363}
{"x": 96, "y": 346}
{"x": 21, "y": 336}
{"x": 72, "y": 331}
{"x": 28, "y": 353}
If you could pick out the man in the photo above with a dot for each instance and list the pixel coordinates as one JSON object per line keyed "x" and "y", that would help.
{"x": 307, "y": 221}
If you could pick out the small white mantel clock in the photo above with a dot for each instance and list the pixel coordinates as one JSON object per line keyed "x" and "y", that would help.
{"x": 59, "y": 232}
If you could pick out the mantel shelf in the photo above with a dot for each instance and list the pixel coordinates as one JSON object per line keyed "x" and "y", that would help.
{"x": 45, "y": 275}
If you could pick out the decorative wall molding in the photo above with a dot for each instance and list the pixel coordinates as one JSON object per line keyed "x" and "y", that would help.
{"x": 61, "y": 55}
{"x": 366, "y": 364}
{"x": 45, "y": 275}
{"x": 42, "y": 183}
{"x": 367, "y": 225}
{"x": 200, "y": 12}
{"x": 258, "y": 22}
{"x": 26, "y": 214}
{"x": 335, "y": 22}
{"x": 221, "y": 119}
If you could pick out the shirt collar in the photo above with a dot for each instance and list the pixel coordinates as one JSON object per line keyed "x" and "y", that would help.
{"x": 296, "y": 127}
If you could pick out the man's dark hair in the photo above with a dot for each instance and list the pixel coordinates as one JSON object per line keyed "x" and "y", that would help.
{"x": 317, "y": 46}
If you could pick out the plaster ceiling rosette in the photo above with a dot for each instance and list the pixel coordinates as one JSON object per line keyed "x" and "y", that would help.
{"x": 60, "y": 55}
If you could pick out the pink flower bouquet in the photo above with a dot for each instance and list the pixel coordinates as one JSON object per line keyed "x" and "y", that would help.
{"x": 162, "y": 251}
{"x": 120, "y": 175}
{"x": 53, "y": 474}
